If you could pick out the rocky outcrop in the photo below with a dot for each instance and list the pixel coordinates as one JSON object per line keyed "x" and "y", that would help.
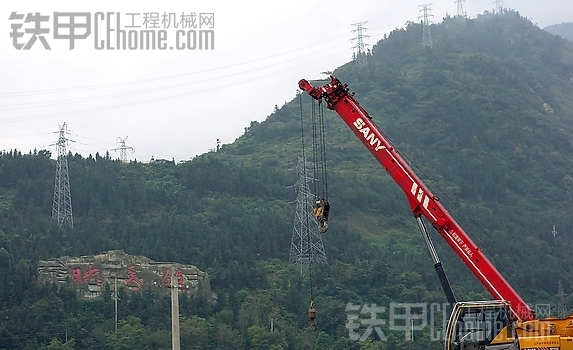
{"x": 134, "y": 273}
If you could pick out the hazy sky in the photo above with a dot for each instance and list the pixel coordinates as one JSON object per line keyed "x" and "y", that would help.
{"x": 176, "y": 103}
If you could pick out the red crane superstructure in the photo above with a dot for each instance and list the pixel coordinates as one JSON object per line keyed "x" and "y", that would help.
{"x": 421, "y": 200}
{"x": 507, "y": 323}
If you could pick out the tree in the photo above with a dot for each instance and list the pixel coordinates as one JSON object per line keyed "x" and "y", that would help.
{"x": 261, "y": 339}
{"x": 56, "y": 344}
{"x": 130, "y": 335}
{"x": 195, "y": 333}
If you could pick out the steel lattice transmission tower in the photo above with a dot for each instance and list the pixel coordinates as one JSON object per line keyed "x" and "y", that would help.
{"x": 498, "y": 6}
{"x": 306, "y": 246}
{"x": 123, "y": 149}
{"x": 62, "y": 206}
{"x": 461, "y": 12}
{"x": 561, "y": 303}
{"x": 360, "y": 48}
{"x": 426, "y": 36}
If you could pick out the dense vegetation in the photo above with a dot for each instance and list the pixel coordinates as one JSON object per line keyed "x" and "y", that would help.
{"x": 486, "y": 114}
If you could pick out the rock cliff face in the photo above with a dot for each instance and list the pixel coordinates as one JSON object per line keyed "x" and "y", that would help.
{"x": 89, "y": 274}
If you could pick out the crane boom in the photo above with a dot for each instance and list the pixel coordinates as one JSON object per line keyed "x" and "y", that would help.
{"x": 421, "y": 200}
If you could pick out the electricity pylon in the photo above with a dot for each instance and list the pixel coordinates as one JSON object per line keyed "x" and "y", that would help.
{"x": 123, "y": 149}
{"x": 461, "y": 12}
{"x": 306, "y": 246}
{"x": 360, "y": 53}
{"x": 561, "y": 302}
{"x": 498, "y": 6}
{"x": 62, "y": 206}
{"x": 426, "y": 36}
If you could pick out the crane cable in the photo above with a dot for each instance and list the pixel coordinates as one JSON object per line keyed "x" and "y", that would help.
{"x": 321, "y": 205}
{"x": 323, "y": 147}
{"x": 319, "y": 151}
{"x": 310, "y": 256}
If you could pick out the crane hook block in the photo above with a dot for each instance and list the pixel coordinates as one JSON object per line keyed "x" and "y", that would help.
{"x": 321, "y": 210}
{"x": 312, "y": 314}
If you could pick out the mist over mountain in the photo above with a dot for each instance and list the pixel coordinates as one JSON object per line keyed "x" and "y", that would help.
{"x": 564, "y": 30}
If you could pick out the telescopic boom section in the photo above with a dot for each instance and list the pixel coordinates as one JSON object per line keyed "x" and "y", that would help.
{"x": 422, "y": 201}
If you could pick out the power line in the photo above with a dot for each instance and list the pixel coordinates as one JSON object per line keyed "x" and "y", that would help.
{"x": 148, "y": 100}
{"x": 317, "y": 50}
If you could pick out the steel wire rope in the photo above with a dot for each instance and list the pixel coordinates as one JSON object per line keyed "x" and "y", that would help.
{"x": 302, "y": 133}
{"x": 309, "y": 249}
{"x": 322, "y": 142}
{"x": 315, "y": 173}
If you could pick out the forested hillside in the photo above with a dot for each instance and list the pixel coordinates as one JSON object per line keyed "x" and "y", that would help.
{"x": 485, "y": 116}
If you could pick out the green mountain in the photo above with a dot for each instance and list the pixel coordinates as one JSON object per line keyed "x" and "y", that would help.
{"x": 564, "y": 30}
{"x": 485, "y": 117}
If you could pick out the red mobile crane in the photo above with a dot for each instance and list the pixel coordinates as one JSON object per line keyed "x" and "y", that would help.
{"x": 505, "y": 323}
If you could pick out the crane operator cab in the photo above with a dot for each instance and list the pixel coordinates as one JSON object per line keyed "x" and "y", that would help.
{"x": 484, "y": 325}
{"x": 321, "y": 209}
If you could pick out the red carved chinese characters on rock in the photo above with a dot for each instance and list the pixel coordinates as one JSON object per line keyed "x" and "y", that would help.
{"x": 89, "y": 276}
{"x": 132, "y": 278}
